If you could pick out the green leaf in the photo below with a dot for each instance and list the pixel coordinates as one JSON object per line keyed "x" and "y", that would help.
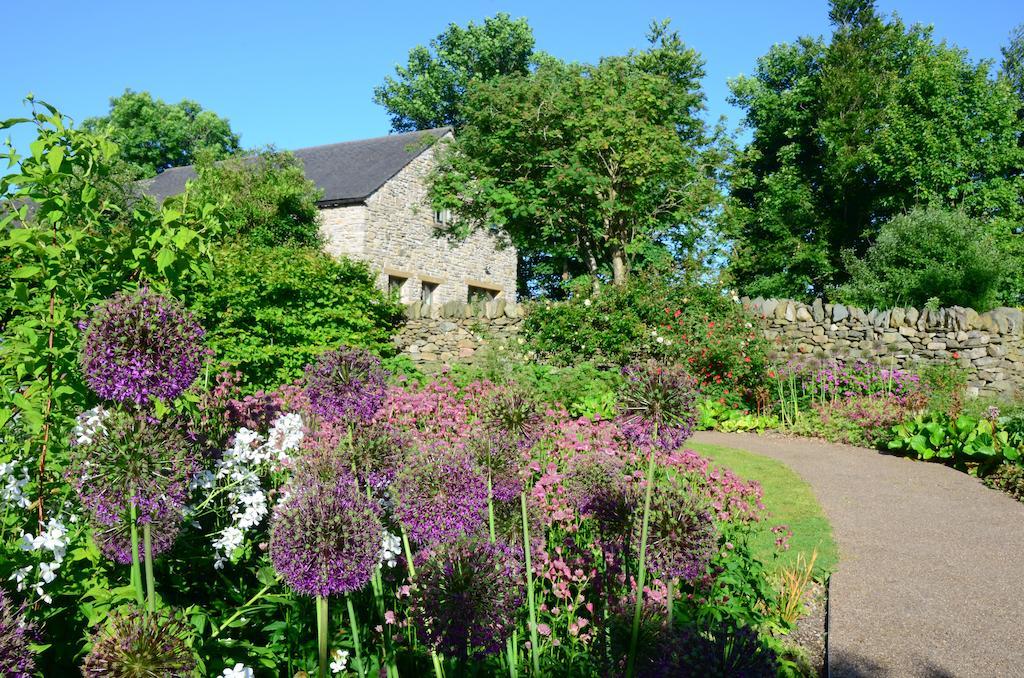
{"x": 165, "y": 258}
{"x": 25, "y": 271}
{"x": 55, "y": 157}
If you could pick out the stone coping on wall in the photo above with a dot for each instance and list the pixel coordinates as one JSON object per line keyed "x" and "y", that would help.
{"x": 490, "y": 310}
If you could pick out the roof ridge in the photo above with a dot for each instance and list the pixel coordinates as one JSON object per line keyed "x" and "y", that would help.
{"x": 446, "y": 128}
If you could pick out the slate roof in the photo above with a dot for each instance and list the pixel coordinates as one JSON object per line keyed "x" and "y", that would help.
{"x": 347, "y": 172}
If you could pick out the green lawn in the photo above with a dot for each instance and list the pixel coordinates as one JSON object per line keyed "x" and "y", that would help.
{"x": 790, "y": 502}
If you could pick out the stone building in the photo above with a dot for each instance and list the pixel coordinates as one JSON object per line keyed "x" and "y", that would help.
{"x": 374, "y": 208}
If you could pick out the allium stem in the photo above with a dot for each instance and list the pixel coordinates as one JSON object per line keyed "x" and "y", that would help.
{"x": 408, "y": 552}
{"x": 438, "y": 670}
{"x": 355, "y": 636}
{"x": 534, "y": 646}
{"x": 641, "y": 574}
{"x": 671, "y": 599}
{"x": 490, "y": 506}
{"x": 136, "y": 568}
{"x": 147, "y": 545}
{"x": 321, "y": 633}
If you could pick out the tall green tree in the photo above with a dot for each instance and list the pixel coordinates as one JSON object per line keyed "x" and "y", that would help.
{"x": 1012, "y": 67}
{"x": 153, "y": 135}
{"x": 428, "y": 91}
{"x": 850, "y": 132}
{"x": 587, "y": 163}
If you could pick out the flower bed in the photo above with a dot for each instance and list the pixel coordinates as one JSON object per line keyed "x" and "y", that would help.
{"x": 341, "y": 524}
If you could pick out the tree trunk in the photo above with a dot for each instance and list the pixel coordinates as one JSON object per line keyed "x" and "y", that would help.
{"x": 620, "y": 269}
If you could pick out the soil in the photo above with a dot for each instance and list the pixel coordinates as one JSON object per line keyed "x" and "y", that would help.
{"x": 809, "y": 634}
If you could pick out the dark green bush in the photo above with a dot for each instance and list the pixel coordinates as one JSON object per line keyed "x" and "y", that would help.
{"x": 928, "y": 254}
{"x": 270, "y": 310}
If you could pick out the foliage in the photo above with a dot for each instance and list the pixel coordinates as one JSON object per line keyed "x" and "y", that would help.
{"x": 429, "y": 90}
{"x": 1008, "y": 478}
{"x": 1012, "y": 67}
{"x": 851, "y": 132}
{"x": 924, "y": 254}
{"x": 586, "y": 164}
{"x": 944, "y": 385}
{"x": 272, "y": 310}
{"x": 264, "y": 199}
{"x": 69, "y": 246}
{"x": 965, "y": 442}
{"x": 154, "y": 135}
{"x": 715, "y": 415}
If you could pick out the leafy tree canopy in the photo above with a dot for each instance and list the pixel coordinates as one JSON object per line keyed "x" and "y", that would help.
{"x": 586, "y": 164}
{"x": 850, "y": 132}
{"x": 928, "y": 253}
{"x": 428, "y": 91}
{"x": 154, "y": 135}
{"x": 1013, "y": 61}
{"x": 265, "y": 199}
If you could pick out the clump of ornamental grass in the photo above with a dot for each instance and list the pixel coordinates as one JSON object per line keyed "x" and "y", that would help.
{"x": 325, "y": 537}
{"x": 16, "y": 636}
{"x": 137, "y": 644}
{"x": 347, "y": 384}
{"x": 139, "y": 346}
{"x": 131, "y": 460}
{"x": 440, "y": 495}
{"x": 467, "y": 596}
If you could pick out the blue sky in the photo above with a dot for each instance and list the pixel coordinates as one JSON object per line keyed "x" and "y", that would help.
{"x": 301, "y": 72}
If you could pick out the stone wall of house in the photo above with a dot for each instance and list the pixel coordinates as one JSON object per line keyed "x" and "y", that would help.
{"x": 989, "y": 345}
{"x": 395, "y": 232}
{"x": 436, "y": 336}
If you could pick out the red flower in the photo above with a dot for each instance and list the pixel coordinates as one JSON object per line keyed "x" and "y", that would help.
{"x": 678, "y": 312}
{"x": 746, "y": 358}
{"x": 711, "y": 324}
{"x": 956, "y": 355}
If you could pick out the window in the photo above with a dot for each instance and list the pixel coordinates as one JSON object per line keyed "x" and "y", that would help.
{"x": 396, "y": 284}
{"x": 481, "y": 294}
{"x": 442, "y": 216}
{"x": 427, "y": 292}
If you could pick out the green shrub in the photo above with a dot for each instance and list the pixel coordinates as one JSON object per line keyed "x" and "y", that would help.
{"x": 968, "y": 443}
{"x": 944, "y": 386}
{"x": 924, "y": 254}
{"x": 270, "y": 310}
{"x": 265, "y": 199}
{"x": 655, "y": 315}
{"x": 1009, "y": 478}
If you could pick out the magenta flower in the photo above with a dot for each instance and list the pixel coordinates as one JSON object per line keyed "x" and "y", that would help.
{"x": 657, "y": 406}
{"x": 141, "y": 345}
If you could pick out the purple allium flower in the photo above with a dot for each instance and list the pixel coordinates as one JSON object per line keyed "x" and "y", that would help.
{"x": 135, "y": 460}
{"x": 597, "y": 485}
{"x": 141, "y": 345}
{"x": 16, "y": 635}
{"x": 373, "y": 450}
{"x": 500, "y": 456}
{"x": 513, "y": 413}
{"x": 348, "y": 383}
{"x": 440, "y": 495}
{"x": 467, "y": 596}
{"x": 656, "y": 398}
{"x": 325, "y": 537}
{"x": 115, "y": 541}
{"x": 682, "y": 537}
{"x": 138, "y": 643}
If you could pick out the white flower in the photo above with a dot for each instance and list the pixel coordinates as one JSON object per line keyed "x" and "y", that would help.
{"x": 285, "y": 435}
{"x": 89, "y": 425}
{"x": 20, "y": 575}
{"x": 390, "y": 549}
{"x": 668, "y": 342}
{"x": 48, "y": 571}
{"x": 239, "y": 671}
{"x": 586, "y": 302}
{"x": 340, "y": 662}
{"x": 661, "y": 340}
{"x": 654, "y": 333}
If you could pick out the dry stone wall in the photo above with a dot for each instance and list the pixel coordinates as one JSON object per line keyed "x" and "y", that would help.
{"x": 437, "y": 336}
{"x": 989, "y": 345}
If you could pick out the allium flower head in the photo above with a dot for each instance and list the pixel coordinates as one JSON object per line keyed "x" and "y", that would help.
{"x": 657, "y": 398}
{"x": 513, "y": 413}
{"x": 135, "y": 461}
{"x": 500, "y": 457}
{"x": 682, "y": 536}
{"x": 440, "y": 495}
{"x": 137, "y": 644}
{"x": 467, "y": 596}
{"x": 598, "y": 487}
{"x": 374, "y": 450}
{"x": 16, "y": 635}
{"x": 325, "y": 538}
{"x": 141, "y": 345}
{"x": 348, "y": 383}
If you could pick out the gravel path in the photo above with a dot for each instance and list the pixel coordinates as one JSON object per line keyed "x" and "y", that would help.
{"x": 931, "y": 573}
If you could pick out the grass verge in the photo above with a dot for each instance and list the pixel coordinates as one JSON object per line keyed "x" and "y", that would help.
{"x": 789, "y": 501}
